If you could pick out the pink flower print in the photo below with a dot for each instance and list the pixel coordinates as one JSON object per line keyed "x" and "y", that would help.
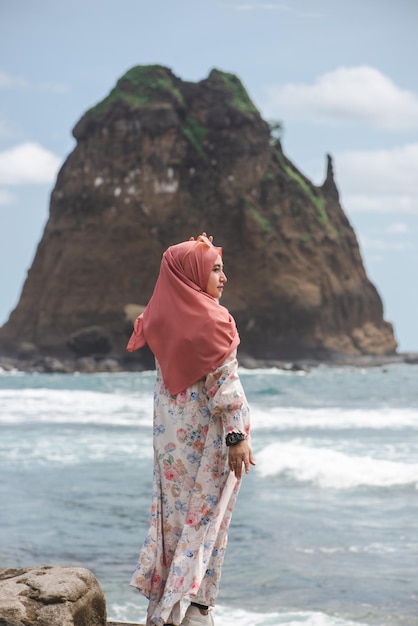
{"x": 192, "y": 518}
{"x": 182, "y": 398}
{"x": 170, "y": 447}
{"x": 171, "y": 472}
{"x": 178, "y": 583}
{"x": 194, "y": 587}
{"x": 156, "y": 581}
{"x": 181, "y": 435}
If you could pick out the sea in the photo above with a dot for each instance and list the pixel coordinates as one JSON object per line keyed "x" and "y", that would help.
{"x": 325, "y": 532}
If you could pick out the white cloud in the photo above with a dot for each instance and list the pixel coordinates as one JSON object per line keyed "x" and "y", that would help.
{"x": 254, "y": 5}
{"x": 58, "y": 88}
{"x": 380, "y": 203}
{"x": 7, "y": 129}
{"x": 28, "y": 163}
{"x": 379, "y": 181}
{"x": 398, "y": 228}
{"x": 387, "y": 170}
{"x": 258, "y": 6}
{"x": 383, "y": 245}
{"x": 6, "y": 80}
{"x": 6, "y": 197}
{"x": 361, "y": 95}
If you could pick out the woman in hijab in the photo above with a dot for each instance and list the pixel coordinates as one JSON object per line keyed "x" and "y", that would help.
{"x": 201, "y": 434}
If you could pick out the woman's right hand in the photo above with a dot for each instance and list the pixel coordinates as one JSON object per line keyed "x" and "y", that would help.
{"x": 240, "y": 455}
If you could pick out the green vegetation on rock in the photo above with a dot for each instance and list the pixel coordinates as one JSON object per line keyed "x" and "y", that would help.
{"x": 317, "y": 201}
{"x": 239, "y": 96}
{"x": 195, "y": 132}
{"x": 262, "y": 221}
{"x": 276, "y": 133}
{"x": 141, "y": 85}
{"x": 305, "y": 237}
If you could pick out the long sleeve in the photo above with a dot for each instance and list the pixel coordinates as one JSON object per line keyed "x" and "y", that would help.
{"x": 227, "y": 398}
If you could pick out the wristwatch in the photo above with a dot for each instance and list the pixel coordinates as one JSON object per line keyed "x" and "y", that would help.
{"x": 233, "y": 438}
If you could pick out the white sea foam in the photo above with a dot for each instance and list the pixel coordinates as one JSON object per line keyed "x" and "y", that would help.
{"x": 232, "y": 616}
{"x": 64, "y": 449}
{"x": 228, "y": 616}
{"x": 270, "y": 371}
{"x": 94, "y": 407}
{"x": 285, "y": 418}
{"x": 328, "y": 468}
{"x": 12, "y": 372}
{"x": 74, "y": 406}
{"x": 372, "y": 548}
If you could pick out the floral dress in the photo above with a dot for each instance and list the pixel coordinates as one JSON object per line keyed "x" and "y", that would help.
{"x": 194, "y": 492}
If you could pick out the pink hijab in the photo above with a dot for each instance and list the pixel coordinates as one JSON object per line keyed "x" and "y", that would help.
{"x": 188, "y": 331}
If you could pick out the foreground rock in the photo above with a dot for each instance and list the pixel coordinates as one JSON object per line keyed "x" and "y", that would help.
{"x": 51, "y": 596}
{"x": 161, "y": 159}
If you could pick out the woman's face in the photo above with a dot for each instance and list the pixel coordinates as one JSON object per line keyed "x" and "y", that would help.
{"x": 217, "y": 279}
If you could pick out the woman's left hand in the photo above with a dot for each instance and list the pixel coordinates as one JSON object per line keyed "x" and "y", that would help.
{"x": 239, "y": 455}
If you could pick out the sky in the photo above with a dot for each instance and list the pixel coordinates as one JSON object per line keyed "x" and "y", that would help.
{"x": 341, "y": 77}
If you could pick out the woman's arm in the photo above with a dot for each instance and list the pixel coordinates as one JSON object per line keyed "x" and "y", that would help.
{"x": 227, "y": 400}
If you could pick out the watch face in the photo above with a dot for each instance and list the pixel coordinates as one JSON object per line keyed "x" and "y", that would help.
{"x": 234, "y": 438}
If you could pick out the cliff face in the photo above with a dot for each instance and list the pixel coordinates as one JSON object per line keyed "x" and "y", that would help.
{"x": 160, "y": 160}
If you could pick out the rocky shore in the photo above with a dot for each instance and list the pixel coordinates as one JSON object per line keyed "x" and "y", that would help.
{"x": 100, "y": 364}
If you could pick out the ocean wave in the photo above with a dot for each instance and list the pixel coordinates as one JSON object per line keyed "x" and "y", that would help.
{"x": 270, "y": 371}
{"x": 286, "y": 418}
{"x": 229, "y": 616}
{"x": 63, "y": 450}
{"x": 74, "y": 407}
{"x": 77, "y": 406}
{"x": 11, "y": 372}
{"x": 328, "y": 468}
{"x": 372, "y": 548}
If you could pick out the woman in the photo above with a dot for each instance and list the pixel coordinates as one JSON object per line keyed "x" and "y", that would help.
{"x": 201, "y": 434}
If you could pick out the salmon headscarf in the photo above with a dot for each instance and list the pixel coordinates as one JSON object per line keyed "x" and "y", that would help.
{"x": 187, "y": 330}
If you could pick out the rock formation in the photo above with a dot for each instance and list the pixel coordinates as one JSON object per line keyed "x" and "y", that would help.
{"x": 53, "y": 596}
{"x": 161, "y": 159}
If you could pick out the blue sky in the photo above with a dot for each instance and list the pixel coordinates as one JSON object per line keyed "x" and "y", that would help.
{"x": 340, "y": 76}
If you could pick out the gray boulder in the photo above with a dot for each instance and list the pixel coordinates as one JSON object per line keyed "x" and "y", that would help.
{"x": 92, "y": 340}
{"x": 51, "y": 596}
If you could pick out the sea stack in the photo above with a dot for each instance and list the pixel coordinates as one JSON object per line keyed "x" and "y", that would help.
{"x": 159, "y": 160}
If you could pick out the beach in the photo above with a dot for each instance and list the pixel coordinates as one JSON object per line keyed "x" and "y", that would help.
{"x": 324, "y": 533}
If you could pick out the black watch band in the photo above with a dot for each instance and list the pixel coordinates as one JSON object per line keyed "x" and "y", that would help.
{"x": 233, "y": 438}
